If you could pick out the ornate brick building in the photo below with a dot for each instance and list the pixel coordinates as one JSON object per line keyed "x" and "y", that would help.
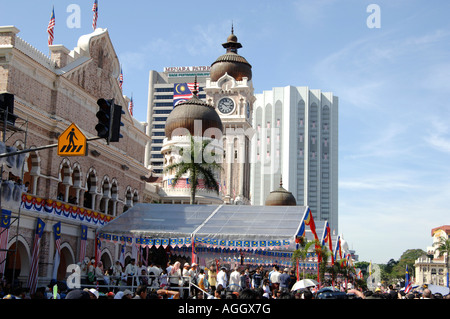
{"x": 50, "y": 93}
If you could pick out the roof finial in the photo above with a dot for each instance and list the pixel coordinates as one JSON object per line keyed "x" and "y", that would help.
{"x": 232, "y": 27}
{"x": 281, "y": 181}
{"x": 195, "y": 86}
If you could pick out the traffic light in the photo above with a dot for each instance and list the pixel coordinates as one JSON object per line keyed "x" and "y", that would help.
{"x": 116, "y": 123}
{"x": 104, "y": 118}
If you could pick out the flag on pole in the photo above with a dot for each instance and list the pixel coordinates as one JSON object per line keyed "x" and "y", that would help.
{"x": 33, "y": 277}
{"x": 4, "y": 235}
{"x": 51, "y": 27}
{"x": 337, "y": 248}
{"x": 309, "y": 221}
{"x": 131, "y": 106}
{"x": 98, "y": 250}
{"x": 83, "y": 241}
{"x": 122, "y": 256}
{"x": 95, "y": 10}
{"x": 57, "y": 235}
{"x": 194, "y": 253}
{"x": 326, "y": 238}
{"x": 182, "y": 92}
{"x": 121, "y": 78}
{"x": 408, "y": 283}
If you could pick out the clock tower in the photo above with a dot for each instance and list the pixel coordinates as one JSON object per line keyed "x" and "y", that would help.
{"x": 230, "y": 90}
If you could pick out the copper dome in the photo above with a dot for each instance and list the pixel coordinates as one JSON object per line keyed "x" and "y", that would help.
{"x": 280, "y": 197}
{"x": 185, "y": 115}
{"x": 231, "y": 62}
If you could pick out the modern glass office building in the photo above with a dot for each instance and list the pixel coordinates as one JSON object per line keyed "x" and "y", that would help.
{"x": 165, "y": 89}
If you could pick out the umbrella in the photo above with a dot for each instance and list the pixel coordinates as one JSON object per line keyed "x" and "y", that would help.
{"x": 439, "y": 289}
{"x": 304, "y": 283}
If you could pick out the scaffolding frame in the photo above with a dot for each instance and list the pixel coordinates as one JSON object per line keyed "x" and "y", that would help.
{"x": 13, "y": 129}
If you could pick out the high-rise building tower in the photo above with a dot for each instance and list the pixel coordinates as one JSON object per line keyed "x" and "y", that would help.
{"x": 297, "y": 140}
{"x": 230, "y": 90}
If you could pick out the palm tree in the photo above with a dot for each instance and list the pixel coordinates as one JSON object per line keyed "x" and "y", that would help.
{"x": 196, "y": 166}
{"x": 323, "y": 254}
{"x": 301, "y": 252}
{"x": 443, "y": 246}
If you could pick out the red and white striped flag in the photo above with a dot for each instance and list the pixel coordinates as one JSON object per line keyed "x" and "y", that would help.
{"x": 131, "y": 106}
{"x": 57, "y": 235}
{"x": 121, "y": 79}
{"x": 83, "y": 241}
{"x": 51, "y": 27}
{"x": 4, "y": 235}
{"x": 95, "y": 10}
{"x": 98, "y": 250}
{"x": 33, "y": 277}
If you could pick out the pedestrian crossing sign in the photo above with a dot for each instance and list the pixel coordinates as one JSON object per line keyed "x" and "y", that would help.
{"x": 72, "y": 142}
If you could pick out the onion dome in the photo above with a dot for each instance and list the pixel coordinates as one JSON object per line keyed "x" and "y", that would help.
{"x": 280, "y": 197}
{"x": 187, "y": 114}
{"x": 231, "y": 62}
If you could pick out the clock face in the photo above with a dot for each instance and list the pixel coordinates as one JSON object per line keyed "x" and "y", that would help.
{"x": 225, "y": 105}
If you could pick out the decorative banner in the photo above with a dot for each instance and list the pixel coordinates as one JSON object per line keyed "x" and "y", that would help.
{"x": 32, "y": 203}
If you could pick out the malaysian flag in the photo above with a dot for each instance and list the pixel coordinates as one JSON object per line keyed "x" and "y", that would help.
{"x": 57, "y": 235}
{"x": 50, "y": 27}
{"x": 182, "y": 92}
{"x": 95, "y": 10}
{"x": 121, "y": 78}
{"x": 84, "y": 230}
{"x": 33, "y": 277}
{"x": 4, "y": 234}
{"x": 408, "y": 283}
{"x": 131, "y": 106}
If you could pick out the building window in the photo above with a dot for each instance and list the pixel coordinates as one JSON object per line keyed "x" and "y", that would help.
{"x": 162, "y": 111}
{"x": 163, "y": 97}
{"x": 164, "y": 89}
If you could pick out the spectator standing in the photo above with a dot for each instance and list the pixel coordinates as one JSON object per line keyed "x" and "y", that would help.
{"x": 235, "y": 280}
{"x": 222, "y": 278}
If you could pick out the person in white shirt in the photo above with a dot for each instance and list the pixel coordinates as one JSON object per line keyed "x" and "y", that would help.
{"x": 275, "y": 278}
{"x": 153, "y": 273}
{"x": 222, "y": 278}
{"x": 235, "y": 280}
{"x": 131, "y": 271}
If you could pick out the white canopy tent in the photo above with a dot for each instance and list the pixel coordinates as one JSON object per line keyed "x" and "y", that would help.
{"x": 214, "y": 222}
{"x": 224, "y": 227}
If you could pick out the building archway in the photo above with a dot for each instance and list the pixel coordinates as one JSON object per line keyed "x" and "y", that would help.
{"x": 18, "y": 259}
{"x": 65, "y": 180}
{"x": 67, "y": 258}
{"x": 91, "y": 189}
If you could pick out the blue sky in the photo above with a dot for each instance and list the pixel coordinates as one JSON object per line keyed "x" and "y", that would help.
{"x": 393, "y": 85}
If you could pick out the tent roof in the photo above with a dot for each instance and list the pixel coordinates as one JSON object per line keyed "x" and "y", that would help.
{"x": 228, "y": 222}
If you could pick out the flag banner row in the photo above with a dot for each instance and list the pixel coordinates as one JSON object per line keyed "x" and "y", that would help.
{"x": 199, "y": 242}
{"x": 255, "y": 258}
{"x": 42, "y": 205}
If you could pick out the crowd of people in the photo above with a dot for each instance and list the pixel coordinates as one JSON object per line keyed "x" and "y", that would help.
{"x": 189, "y": 281}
